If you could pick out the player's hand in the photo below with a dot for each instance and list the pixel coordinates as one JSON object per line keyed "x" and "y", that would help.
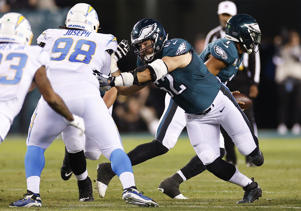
{"x": 78, "y": 123}
{"x": 104, "y": 81}
{"x": 122, "y": 49}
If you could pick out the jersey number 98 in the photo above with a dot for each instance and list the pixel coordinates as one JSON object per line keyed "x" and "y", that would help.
{"x": 82, "y": 52}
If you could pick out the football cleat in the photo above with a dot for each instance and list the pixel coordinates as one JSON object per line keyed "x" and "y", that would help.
{"x": 30, "y": 200}
{"x": 66, "y": 171}
{"x": 170, "y": 187}
{"x": 104, "y": 176}
{"x": 133, "y": 196}
{"x": 85, "y": 190}
{"x": 252, "y": 193}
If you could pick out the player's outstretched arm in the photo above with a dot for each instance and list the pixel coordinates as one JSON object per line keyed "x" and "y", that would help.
{"x": 152, "y": 71}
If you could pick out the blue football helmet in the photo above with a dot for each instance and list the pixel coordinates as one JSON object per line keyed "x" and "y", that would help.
{"x": 148, "y": 29}
{"x": 244, "y": 29}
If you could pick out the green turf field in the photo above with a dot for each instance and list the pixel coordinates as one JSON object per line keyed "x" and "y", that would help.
{"x": 279, "y": 177}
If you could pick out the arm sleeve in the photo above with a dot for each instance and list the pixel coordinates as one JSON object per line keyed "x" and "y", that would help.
{"x": 254, "y": 66}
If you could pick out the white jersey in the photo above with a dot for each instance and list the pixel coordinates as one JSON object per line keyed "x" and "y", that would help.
{"x": 18, "y": 65}
{"x": 75, "y": 54}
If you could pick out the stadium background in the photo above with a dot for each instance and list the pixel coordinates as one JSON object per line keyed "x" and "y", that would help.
{"x": 181, "y": 18}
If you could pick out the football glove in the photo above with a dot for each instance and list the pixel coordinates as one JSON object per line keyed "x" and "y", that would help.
{"x": 122, "y": 49}
{"x": 78, "y": 123}
{"x": 102, "y": 79}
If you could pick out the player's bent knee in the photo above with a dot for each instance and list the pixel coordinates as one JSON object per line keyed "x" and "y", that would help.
{"x": 207, "y": 156}
{"x": 93, "y": 155}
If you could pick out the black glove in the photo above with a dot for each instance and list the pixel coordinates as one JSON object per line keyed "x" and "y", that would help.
{"x": 122, "y": 49}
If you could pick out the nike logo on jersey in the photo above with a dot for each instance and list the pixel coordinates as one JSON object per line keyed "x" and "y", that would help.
{"x": 221, "y": 110}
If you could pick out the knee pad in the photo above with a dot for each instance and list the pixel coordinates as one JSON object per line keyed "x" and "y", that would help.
{"x": 221, "y": 169}
{"x": 93, "y": 155}
{"x": 256, "y": 157}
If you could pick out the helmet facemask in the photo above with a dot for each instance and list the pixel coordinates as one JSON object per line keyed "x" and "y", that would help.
{"x": 252, "y": 38}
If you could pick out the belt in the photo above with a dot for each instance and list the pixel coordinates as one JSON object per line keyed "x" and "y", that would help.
{"x": 207, "y": 110}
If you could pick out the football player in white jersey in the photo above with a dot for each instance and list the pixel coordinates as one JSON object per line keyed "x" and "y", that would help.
{"x": 76, "y": 51}
{"x": 22, "y": 67}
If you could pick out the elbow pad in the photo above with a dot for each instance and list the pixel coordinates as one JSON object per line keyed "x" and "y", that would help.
{"x": 158, "y": 69}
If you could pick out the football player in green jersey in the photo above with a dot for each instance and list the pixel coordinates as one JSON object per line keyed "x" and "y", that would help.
{"x": 173, "y": 66}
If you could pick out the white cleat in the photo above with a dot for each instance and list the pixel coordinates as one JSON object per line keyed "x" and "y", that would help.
{"x": 180, "y": 197}
{"x": 102, "y": 188}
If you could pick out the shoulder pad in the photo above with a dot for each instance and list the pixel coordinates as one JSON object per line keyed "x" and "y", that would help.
{"x": 176, "y": 47}
{"x": 224, "y": 50}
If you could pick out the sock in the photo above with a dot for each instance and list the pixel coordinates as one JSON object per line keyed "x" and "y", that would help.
{"x": 78, "y": 162}
{"x": 146, "y": 151}
{"x": 221, "y": 169}
{"x": 127, "y": 179}
{"x": 33, "y": 184}
{"x": 240, "y": 179}
{"x": 120, "y": 162}
{"x": 179, "y": 177}
{"x": 193, "y": 168}
{"x": 34, "y": 161}
{"x": 82, "y": 176}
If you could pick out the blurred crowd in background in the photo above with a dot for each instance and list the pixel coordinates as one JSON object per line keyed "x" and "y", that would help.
{"x": 278, "y": 104}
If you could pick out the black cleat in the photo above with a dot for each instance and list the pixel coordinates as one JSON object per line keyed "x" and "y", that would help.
{"x": 85, "y": 190}
{"x": 256, "y": 159}
{"x": 104, "y": 175}
{"x": 66, "y": 171}
{"x": 170, "y": 187}
{"x": 252, "y": 193}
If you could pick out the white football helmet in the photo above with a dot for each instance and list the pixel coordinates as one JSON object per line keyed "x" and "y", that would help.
{"x": 82, "y": 16}
{"x": 14, "y": 27}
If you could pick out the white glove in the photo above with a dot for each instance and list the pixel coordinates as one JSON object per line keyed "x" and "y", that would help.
{"x": 78, "y": 123}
